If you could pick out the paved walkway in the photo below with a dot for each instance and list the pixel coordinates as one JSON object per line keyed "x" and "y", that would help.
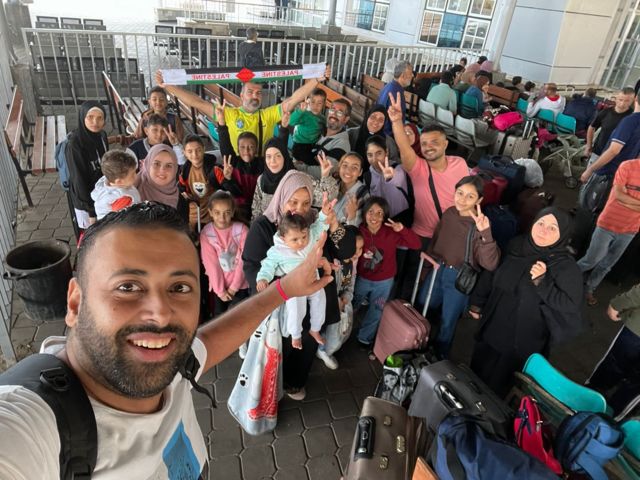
{"x": 313, "y": 437}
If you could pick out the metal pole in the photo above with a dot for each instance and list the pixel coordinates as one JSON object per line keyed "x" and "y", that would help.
{"x": 331, "y": 20}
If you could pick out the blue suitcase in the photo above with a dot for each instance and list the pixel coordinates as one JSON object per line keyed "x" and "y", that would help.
{"x": 504, "y": 224}
{"x": 506, "y": 167}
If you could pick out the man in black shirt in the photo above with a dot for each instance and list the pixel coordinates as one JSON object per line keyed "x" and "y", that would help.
{"x": 607, "y": 120}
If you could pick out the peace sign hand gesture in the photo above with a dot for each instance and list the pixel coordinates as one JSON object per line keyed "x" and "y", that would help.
{"x": 386, "y": 170}
{"x": 395, "y": 109}
{"x": 482, "y": 221}
{"x": 327, "y": 207}
{"x": 396, "y": 226}
{"x": 325, "y": 164}
{"x": 227, "y": 168}
{"x": 351, "y": 207}
{"x": 218, "y": 110}
{"x": 171, "y": 136}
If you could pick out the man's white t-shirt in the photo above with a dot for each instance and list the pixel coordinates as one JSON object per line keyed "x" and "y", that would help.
{"x": 167, "y": 444}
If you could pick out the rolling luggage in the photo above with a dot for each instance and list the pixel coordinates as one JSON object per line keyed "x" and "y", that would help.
{"x": 402, "y": 327}
{"x": 494, "y": 186}
{"x": 529, "y": 202}
{"x": 505, "y": 166}
{"x": 517, "y": 146}
{"x": 386, "y": 443}
{"x": 445, "y": 387}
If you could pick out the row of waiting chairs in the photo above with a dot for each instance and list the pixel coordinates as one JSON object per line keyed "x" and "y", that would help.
{"x": 70, "y": 23}
{"x": 87, "y": 64}
{"x": 222, "y": 30}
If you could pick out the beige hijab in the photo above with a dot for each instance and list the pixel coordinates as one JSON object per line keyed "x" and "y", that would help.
{"x": 290, "y": 183}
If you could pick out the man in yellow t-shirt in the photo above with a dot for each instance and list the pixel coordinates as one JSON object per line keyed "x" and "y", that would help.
{"x": 245, "y": 118}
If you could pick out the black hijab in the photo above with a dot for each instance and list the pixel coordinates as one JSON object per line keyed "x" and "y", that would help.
{"x": 524, "y": 250}
{"x": 364, "y": 134}
{"x": 89, "y": 140}
{"x": 269, "y": 180}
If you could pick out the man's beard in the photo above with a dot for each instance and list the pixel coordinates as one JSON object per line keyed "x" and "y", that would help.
{"x": 110, "y": 364}
{"x": 251, "y": 106}
{"x": 333, "y": 124}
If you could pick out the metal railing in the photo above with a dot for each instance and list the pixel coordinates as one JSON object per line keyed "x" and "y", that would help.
{"x": 67, "y": 63}
{"x": 8, "y": 200}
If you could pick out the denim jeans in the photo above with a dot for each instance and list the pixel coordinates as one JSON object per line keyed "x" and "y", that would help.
{"x": 604, "y": 251}
{"x": 377, "y": 293}
{"x": 453, "y": 303}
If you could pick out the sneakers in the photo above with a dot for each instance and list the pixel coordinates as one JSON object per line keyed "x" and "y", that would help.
{"x": 329, "y": 360}
{"x": 296, "y": 393}
{"x": 242, "y": 351}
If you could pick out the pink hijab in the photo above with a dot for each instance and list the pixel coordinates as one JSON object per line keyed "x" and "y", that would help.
{"x": 293, "y": 181}
{"x": 167, "y": 194}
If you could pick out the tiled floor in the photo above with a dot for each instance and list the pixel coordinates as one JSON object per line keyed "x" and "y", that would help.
{"x": 313, "y": 437}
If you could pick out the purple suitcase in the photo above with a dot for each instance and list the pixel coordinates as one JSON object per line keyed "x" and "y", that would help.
{"x": 402, "y": 327}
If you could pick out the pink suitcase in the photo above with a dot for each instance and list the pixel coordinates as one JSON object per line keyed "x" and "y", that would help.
{"x": 402, "y": 327}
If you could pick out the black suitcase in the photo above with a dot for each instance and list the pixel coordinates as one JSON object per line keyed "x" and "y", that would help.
{"x": 444, "y": 387}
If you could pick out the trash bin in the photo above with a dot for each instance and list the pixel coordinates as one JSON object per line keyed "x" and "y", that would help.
{"x": 41, "y": 271}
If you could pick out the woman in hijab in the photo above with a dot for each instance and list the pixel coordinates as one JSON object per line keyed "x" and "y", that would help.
{"x": 277, "y": 164}
{"x": 413, "y": 134}
{"x": 157, "y": 179}
{"x": 294, "y": 195}
{"x": 87, "y": 144}
{"x": 373, "y": 125}
{"x": 531, "y": 302}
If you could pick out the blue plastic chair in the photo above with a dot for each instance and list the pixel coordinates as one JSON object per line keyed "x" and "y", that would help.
{"x": 469, "y": 107}
{"x": 213, "y": 131}
{"x": 521, "y": 106}
{"x": 631, "y": 429}
{"x": 565, "y": 124}
{"x": 577, "y": 397}
{"x": 546, "y": 115}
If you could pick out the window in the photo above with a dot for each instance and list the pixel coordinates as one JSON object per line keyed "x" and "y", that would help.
{"x": 475, "y": 33}
{"x": 436, "y": 4}
{"x": 456, "y": 23}
{"x": 430, "y": 27}
{"x": 458, "y": 6}
{"x": 482, "y": 8}
{"x": 451, "y": 30}
{"x": 380, "y": 17}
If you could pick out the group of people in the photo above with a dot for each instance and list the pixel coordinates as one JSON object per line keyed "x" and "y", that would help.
{"x": 319, "y": 226}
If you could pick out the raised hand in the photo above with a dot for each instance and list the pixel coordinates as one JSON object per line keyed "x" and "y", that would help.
{"x": 387, "y": 171}
{"x": 395, "y": 109}
{"x": 396, "y": 226}
{"x": 482, "y": 221}
{"x": 327, "y": 206}
{"x": 327, "y": 74}
{"x": 227, "y": 168}
{"x": 285, "y": 118}
{"x": 171, "y": 136}
{"x": 159, "y": 79}
{"x": 351, "y": 207}
{"x": 218, "y": 110}
{"x": 325, "y": 164}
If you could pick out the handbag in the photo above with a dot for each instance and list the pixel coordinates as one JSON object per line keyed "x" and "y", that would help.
{"x": 532, "y": 434}
{"x": 254, "y": 399}
{"x": 467, "y": 274}
{"x": 338, "y": 333}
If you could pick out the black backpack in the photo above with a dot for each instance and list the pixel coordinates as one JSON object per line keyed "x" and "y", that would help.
{"x": 57, "y": 384}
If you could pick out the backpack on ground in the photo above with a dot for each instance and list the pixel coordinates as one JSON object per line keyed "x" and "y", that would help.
{"x": 465, "y": 449}
{"x": 60, "y": 155}
{"x": 586, "y": 441}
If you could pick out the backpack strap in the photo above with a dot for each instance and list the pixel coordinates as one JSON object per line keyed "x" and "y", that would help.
{"x": 56, "y": 383}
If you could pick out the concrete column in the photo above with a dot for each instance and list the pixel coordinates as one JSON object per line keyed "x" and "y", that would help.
{"x": 331, "y": 21}
{"x": 558, "y": 40}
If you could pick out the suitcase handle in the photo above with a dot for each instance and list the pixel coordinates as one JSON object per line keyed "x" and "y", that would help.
{"x": 423, "y": 257}
{"x": 448, "y": 397}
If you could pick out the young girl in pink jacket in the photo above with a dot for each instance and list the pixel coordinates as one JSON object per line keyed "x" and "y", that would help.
{"x": 221, "y": 245}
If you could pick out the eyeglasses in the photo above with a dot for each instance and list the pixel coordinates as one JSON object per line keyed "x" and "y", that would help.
{"x": 337, "y": 113}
